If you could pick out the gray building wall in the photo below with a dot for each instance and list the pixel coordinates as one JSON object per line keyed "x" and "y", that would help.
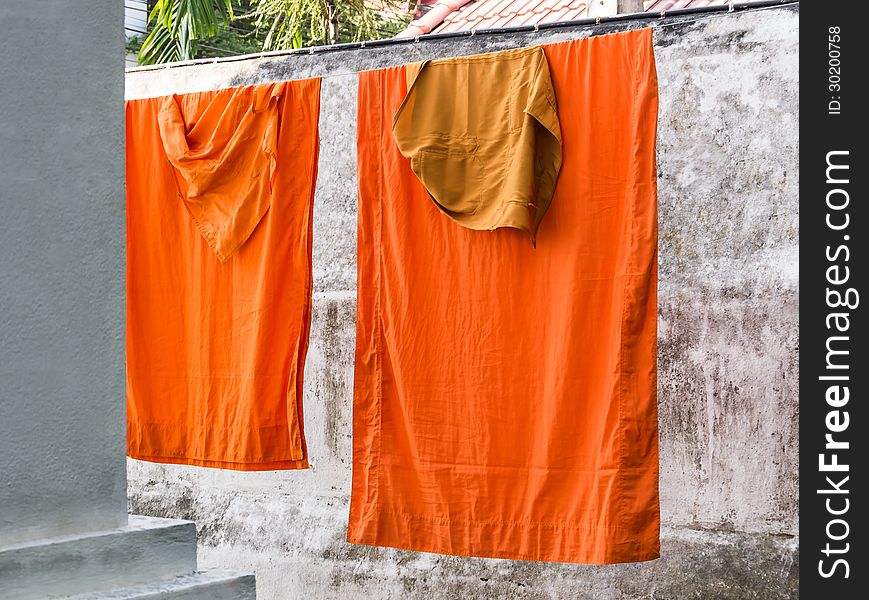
{"x": 727, "y": 159}
{"x": 62, "y": 269}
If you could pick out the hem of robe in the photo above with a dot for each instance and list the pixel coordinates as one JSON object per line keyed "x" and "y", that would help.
{"x": 278, "y": 465}
{"x": 275, "y": 448}
{"x": 488, "y": 534}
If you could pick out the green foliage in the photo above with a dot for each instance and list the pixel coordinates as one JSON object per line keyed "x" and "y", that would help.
{"x": 178, "y": 25}
{"x": 230, "y": 41}
{"x": 297, "y": 23}
{"x": 187, "y": 29}
{"x": 134, "y": 43}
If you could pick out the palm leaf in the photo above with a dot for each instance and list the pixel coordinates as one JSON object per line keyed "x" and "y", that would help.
{"x": 178, "y": 24}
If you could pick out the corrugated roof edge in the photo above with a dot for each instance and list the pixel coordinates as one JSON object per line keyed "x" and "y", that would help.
{"x": 432, "y": 18}
{"x": 481, "y": 14}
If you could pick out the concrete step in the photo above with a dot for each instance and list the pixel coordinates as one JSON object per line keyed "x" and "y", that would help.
{"x": 147, "y": 549}
{"x": 212, "y": 584}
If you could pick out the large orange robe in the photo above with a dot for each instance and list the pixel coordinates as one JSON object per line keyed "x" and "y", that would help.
{"x": 505, "y": 396}
{"x": 220, "y": 189}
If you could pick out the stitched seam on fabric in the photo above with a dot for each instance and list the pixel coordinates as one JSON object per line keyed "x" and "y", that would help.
{"x": 650, "y": 56}
{"x": 187, "y": 377}
{"x": 374, "y": 499}
{"x": 194, "y": 461}
{"x": 305, "y": 325}
{"x": 646, "y": 553}
{"x": 507, "y": 522}
{"x": 301, "y": 347}
{"x": 436, "y": 463}
{"x": 291, "y": 386}
{"x": 145, "y": 424}
{"x": 634, "y": 58}
{"x": 184, "y": 455}
{"x": 622, "y": 392}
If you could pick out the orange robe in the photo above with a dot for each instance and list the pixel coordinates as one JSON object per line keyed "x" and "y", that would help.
{"x": 505, "y": 396}
{"x": 220, "y": 190}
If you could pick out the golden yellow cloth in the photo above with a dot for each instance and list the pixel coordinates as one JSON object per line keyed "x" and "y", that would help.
{"x": 482, "y": 136}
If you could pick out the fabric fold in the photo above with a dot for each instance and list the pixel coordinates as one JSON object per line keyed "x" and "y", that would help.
{"x": 483, "y": 137}
{"x": 225, "y": 161}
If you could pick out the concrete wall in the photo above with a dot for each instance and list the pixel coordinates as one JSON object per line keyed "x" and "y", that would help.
{"x": 727, "y": 348}
{"x": 62, "y": 269}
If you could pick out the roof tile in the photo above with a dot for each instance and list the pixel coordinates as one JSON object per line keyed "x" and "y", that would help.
{"x": 492, "y": 14}
{"x": 575, "y": 13}
{"x": 559, "y": 15}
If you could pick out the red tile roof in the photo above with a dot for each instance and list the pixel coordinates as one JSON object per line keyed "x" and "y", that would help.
{"x": 464, "y": 15}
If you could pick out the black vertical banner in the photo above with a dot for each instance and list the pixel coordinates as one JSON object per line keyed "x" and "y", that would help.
{"x": 834, "y": 300}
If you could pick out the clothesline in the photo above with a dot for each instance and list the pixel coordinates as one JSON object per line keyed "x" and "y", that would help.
{"x": 484, "y": 423}
{"x": 668, "y": 24}
{"x": 654, "y": 19}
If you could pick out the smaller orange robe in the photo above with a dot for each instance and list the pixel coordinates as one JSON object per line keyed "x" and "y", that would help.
{"x": 220, "y": 189}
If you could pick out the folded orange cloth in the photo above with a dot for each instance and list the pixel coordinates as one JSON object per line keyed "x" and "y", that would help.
{"x": 220, "y": 190}
{"x": 505, "y": 396}
{"x": 228, "y": 170}
{"x": 482, "y": 135}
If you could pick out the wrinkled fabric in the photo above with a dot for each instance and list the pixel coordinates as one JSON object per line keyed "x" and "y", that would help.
{"x": 482, "y": 136}
{"x": 505, "y": 396}
{"x": 217, "y": 327}
{"x": 226, "y": 162}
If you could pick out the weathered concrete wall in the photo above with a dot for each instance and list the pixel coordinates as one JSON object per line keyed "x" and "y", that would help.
{"x": 727, "y": 348}
{"x": 61, "y": 269}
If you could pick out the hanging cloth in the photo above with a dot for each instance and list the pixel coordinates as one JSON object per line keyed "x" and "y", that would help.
{"x": 505, "y": 396}
{"x": 482, "y": 136}
{"x": 220, "y": 190}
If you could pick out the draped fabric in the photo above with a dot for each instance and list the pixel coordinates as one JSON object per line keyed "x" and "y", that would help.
{"x": 482, "y": 135}
{"x": 226, "y": 163}
{"x": 505, "y": 395}
{"x": 220, "y": 191}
